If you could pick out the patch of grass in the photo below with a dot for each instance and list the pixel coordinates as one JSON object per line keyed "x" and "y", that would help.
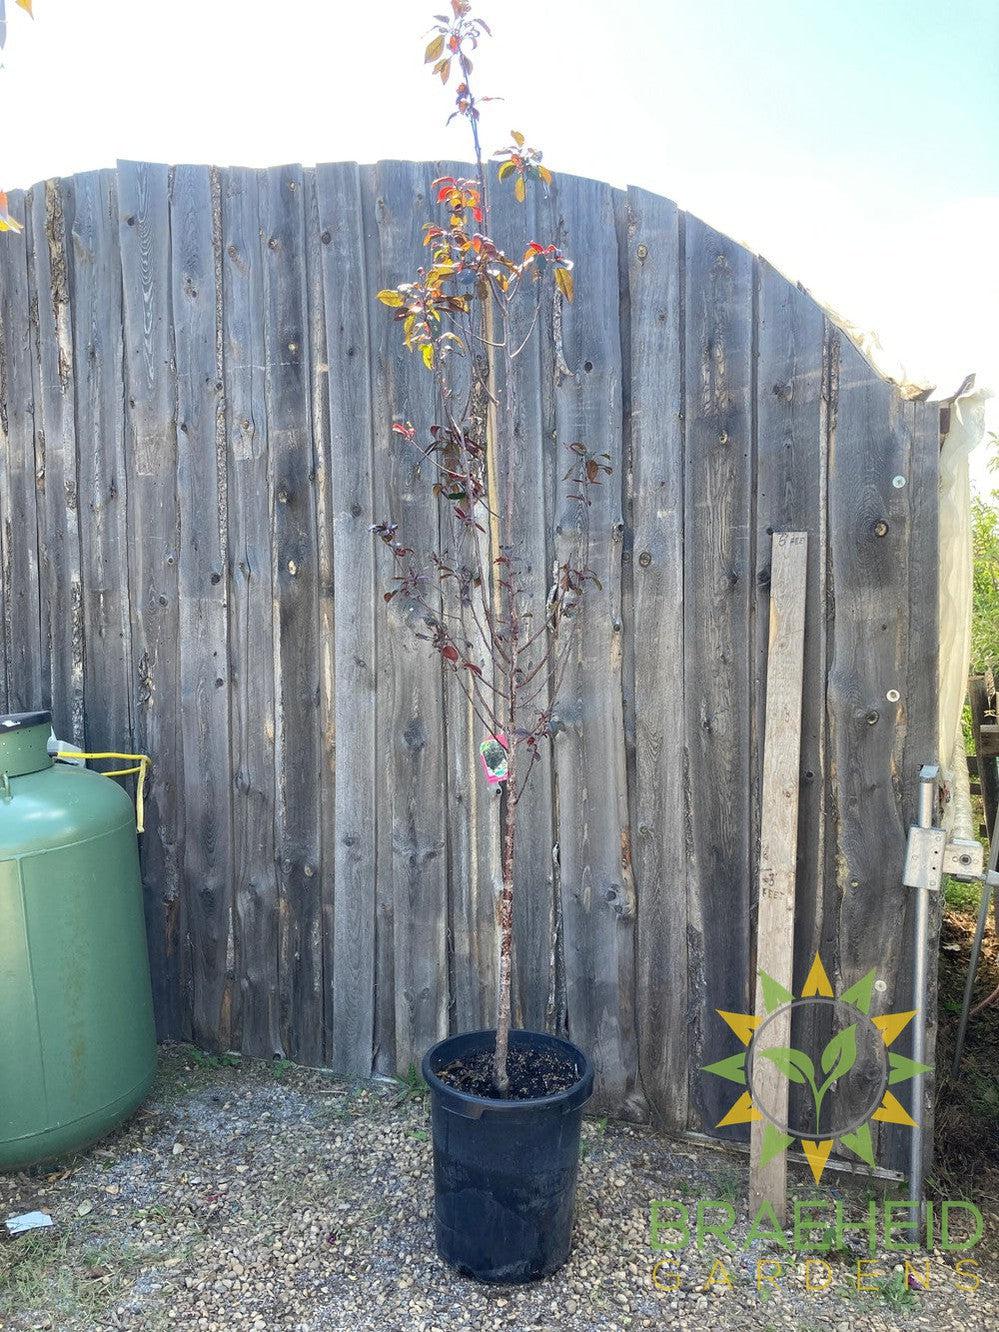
{"x": 729, "y": 1184}
{"x": 411, "y": 1087}
{"x": 895, "y": 1292}
{"x": 962, "y": 896}
{"x": 49, "y": 1273}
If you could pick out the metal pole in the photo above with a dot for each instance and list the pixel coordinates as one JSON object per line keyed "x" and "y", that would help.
{"x": 976, "y": 947}
{"x": 927, "y": 809}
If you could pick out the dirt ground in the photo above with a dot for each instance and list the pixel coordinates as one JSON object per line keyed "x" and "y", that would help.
{"x": 249, "y": 1195}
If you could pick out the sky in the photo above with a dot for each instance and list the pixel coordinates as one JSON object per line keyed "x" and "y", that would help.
{"x": 855, "y": 145}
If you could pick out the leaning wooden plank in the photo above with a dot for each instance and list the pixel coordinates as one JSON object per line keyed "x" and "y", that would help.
{"x": 659, "y": 829}
{"x": 869, "y": 542}
{"x": 52, "y": 214}
{"x": 251, "y": 602}
{"x": 778, "y": 845}
{"x": 716, "y": 599}
{"x": 347, "y": 295}
{"x": 153, "y": 552}
{"x": 411, "y": 745}
{"x": 203, "y": 577}
{"x": 296, "y": 612}
{"x": 22, "y": 616}
{"x": 598, "y": 890}
{"x": 790, "y": 496}
{"x": 95, "y": 292}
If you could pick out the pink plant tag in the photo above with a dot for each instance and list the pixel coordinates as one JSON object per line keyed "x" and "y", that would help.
{"x": 492, "y": 752}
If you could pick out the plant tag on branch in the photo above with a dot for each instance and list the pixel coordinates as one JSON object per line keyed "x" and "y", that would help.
{"x": 492, "y": 751}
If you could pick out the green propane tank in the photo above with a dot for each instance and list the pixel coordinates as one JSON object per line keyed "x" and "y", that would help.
{"x": 77, "y": 1041}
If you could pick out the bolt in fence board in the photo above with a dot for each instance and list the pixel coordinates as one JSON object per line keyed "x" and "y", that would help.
{"x": 717, "y": 572}
{"x": 871, "y": 441}
{"x": 347, "y": 299}
{"x": 296, "y": 611}
{"x": 55, "y": 419}
{"x": 656, "y": 488}
{"x": 790, "y": 496}
{"x": 785, "y": 663}
{"x": 22, "y": 612}
{"x": 153, "y": 551}
{"x": 203, "y": 593}
{"x": 251, "y": 627}
{"x": 598, "y": 890}
{"x": 410, "y": 732}
{"x": 95, "y": 291}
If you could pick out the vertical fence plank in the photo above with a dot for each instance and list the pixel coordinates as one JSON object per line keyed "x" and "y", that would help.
{"x": 513, "y": 225}
{"x": 52, "y": 213}
{"x": 659, "y": 830}
{"x": 251, "y": 650}
{"x": 716, "y": 599}
{"x": 203, "y": 577}
{"x": 22, "y": 614}
{"x": 153, "y": 551}
{"x": 871, "y": 446}
{"x": 319, "y": 409}
{"x": 598, "y": 893}
{"x": 95, "y": 291}
{"x": 296, "y": 623}
{"x": 379, "y": 344}
{"x": 474, "y": 805}
{"x": 347, "y": 293}
{"x": 790, "y": 497}
{"x": 411, "y": 731}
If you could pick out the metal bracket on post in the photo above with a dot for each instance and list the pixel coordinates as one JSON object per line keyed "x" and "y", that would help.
{"x": 924, "y": 858}
{"x": 928, "y": 857}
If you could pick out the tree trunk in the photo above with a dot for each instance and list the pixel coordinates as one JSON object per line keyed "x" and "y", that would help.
{"x": 506, "y": 930}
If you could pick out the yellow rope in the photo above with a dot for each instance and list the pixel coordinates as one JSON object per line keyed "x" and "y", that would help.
{"x": 142, "y": 762}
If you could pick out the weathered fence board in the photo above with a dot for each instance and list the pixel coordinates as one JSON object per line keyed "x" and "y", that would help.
{"x": 196, "y": 398}
{"x": 659, "y": 833}
{"x": 95, "y": 293}
{"x": 790, "y": 497}
{"x": 62, "y": 629}
{"x": 598, "y": 888}
{"x": 347, "y": 300}
{"x": 716, "y": 601}
{"x": 251, "y": 622}
{"x": 410, "y": 741}
{"x": 296, "y": 610}
{"x": 203, "y": 586}
{"x": 153, "y": 547}
{"x": 22, "y": 610}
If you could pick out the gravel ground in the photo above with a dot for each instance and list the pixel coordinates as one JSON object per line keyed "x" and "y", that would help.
{"x": 249, "y": 1195}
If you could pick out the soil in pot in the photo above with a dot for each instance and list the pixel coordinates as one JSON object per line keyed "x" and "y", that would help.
{"x": 531, "y": 1074}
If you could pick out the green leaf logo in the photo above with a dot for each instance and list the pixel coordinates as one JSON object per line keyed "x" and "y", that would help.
{"x": 794, "y": 1064}
{"x": 840, "y": 1054}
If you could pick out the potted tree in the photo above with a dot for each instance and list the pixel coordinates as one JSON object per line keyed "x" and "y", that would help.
{"x": 506, "y": 1104}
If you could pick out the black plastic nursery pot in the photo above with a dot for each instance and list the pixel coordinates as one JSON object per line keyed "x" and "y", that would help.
{"x": 505, "y": 1170}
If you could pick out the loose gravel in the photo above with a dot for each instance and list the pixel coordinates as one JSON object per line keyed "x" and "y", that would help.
{"x": 254, "y": 1196}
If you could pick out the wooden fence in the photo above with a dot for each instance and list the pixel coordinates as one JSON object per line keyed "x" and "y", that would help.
{"x": 197, "y": 391}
